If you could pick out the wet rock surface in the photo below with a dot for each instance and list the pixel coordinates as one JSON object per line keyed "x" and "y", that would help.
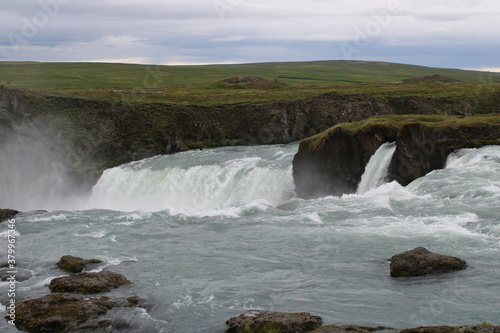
{"x": 260, "y": 321}
{"x": 76, "y": 264}
{"x": 61, "y": 313}
{"x": 6, "y": 214}
{"x": 332, "y": 162}
{"x": 420, "y": 261}
{"x": 481, "y": 328}
{"x": 352, "y": 329}
{"x": 88, "y": 283}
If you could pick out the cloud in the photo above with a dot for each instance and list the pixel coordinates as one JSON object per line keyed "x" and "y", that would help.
{"x": 219, "y": 31}
{"x": 489, "y": 69}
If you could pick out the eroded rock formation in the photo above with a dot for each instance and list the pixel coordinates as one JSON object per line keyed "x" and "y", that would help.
{"x": 332, "y": 163}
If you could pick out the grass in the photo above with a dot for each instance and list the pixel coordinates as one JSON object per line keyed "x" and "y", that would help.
{"x": 444, "y": 122}
{"x": 198, "y": 84}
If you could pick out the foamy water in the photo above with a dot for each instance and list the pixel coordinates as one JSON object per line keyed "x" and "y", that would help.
{"x": 207, "y": 235}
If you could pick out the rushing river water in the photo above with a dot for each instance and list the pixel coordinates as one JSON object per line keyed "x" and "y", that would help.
{"x": 206, "y": 235}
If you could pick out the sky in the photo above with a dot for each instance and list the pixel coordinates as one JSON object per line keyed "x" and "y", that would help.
{"x": 436, "y": 33}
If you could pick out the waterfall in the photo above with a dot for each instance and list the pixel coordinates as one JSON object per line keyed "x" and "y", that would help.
{"x": 195, "y": 181}
{"x": 376, "y": 169}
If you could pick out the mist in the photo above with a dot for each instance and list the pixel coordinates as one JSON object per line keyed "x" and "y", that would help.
{"x": 34, "y": 175}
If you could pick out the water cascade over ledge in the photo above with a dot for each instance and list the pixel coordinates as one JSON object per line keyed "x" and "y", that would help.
{"x": 376, "y": 169}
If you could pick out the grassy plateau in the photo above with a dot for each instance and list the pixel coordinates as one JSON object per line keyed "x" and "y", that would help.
{"x": 202, "y": 84}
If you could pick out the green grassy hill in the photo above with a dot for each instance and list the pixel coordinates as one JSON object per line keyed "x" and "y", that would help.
{"x": 196, "y": 84}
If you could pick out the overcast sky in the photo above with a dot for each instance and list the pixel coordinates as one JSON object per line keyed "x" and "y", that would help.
{"x": 437, "y": 33}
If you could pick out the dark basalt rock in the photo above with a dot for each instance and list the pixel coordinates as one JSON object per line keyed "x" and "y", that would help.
{"x": 333, "y": 165}
{"x": 88, "y": 283}
{"x": 332, "y": 162}
{"x": 352, "y": 329}
{"x": 260, "y": 321}
{"x": 75, "y": 264}
{"x": 61, "y": 313}
{"x": 6, "y": 214}
{"x": 481, "y": 328}
{"x": 421, "y": 261}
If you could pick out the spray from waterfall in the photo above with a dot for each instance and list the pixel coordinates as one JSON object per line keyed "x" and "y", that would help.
{"x": 33, "y": 175}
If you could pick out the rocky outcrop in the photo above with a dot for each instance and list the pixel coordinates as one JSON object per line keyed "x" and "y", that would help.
{"x": 351, "y": 329}
{"x": 424, "y": 146}
{"x": 61, "y": 313}
{"x": 332, "y": 162}
{"x": 420, "y": 261}
{"x": 6, "y": 214}
{"x": 88, "y": 283}
{"x": 85, "y": 136}
{"x": 260, "y": 321}
{"x": 481, "y": 328}
{"x": 249, "y": 82}
{"x": 75, "y": 264}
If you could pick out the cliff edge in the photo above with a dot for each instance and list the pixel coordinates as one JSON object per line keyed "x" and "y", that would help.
{"x": 332, "y": 162}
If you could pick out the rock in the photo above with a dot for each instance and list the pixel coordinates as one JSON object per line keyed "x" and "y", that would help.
{"x": 249, "y": 82}
{"x": 105, "y": 133}
{"x": 139, "y": 302}
{"x": 6, "y": 214}
{"x": 88, "y": 283}
{"x": 351, "y": 329}
{"x": 260, "y": 321}
{"x": 332, "y": 162}
{"x": 59, "y": 312}
{"x": 431, "y": 78}
{"x": 424, "y": 146}
{"x": 421, "y": 261}
{"x": 481, "y": 328}
{"x": 75, "y": 264}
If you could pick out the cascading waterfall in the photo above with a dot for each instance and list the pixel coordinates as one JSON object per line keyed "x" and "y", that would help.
{"x": 207, "y": 235}
{"x": 377, "y": 167}
{"x": 176, "y": 184}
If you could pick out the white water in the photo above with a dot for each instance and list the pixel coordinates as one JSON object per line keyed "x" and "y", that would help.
{"x": 376, "y": 169}
{"x": 202, "y": 255}
{"x": 213, "y": 180}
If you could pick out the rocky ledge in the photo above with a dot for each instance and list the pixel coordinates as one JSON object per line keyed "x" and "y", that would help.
{"x": 85, "y": 136}
{"x": 88, "y": 283}
{"x": 261, "y": 321}
{"x": 332, "y": 162}
{"x": 7, "y": 214}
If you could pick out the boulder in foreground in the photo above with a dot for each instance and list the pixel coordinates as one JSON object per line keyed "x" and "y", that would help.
{"x": 59, "y": 312}
{"x": 260, "y": 321}
{"x": 75, "y": 264}
{"x": 88, "y": 283}
{"x": 420, "y": 261}
{"x": 481, "y": 328}
{"x": 351, "y": 329}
